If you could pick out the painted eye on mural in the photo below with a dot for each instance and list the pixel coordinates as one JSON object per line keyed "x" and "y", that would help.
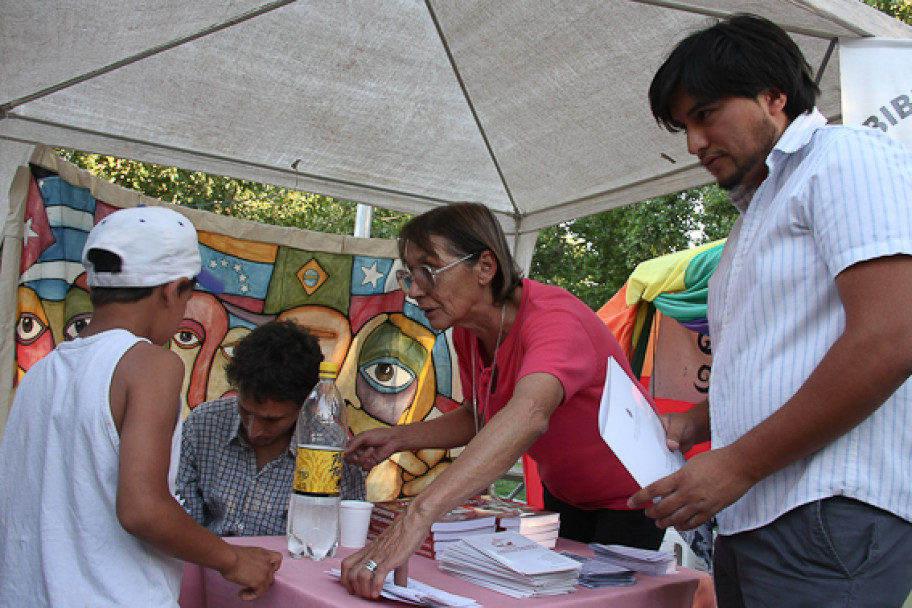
{"x": 228, "y": 350}
{"x": 387, "y": 375}
{"x": 72, "y": 329}
{"x": 29, "y": 328}
{"x": 187, "y": 338}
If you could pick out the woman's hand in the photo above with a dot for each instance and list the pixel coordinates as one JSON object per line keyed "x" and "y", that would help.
{"x": 364, "y": 572}
{"x": 369, "y": 448}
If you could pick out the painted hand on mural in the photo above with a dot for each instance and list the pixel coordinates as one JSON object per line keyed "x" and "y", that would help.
{"x": 388, "y": 379}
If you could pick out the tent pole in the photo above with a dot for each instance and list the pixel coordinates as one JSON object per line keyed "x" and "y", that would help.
{"x": 826, "y": 59}
{"x": 363, "y": 220}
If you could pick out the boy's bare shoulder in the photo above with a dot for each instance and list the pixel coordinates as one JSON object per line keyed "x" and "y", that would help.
{"x": 146, "y": 377}
{"x": 148, "y": 357}
{"x": 147, "y": 365}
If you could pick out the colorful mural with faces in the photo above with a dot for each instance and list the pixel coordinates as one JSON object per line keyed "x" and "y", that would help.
{"x": 393, "y": 368}
{"x": 330, "y": 327}
{"x": 201, "y": 342}
{"x": 34, "y": 337}
{"x": 41, "y": 324}
{"x": 390, "y": 375}
{"x": 52, "y": 297}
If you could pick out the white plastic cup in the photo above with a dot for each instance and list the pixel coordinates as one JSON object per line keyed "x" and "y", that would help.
{"x": 354, "y": 521}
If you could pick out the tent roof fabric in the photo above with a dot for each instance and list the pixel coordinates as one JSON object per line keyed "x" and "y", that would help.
{"x": 535, "y": 108}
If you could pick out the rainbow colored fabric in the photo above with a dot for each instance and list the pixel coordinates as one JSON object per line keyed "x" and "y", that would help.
{"x": 677, "y": 284}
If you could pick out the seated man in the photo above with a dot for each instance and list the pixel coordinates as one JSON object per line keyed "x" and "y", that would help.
{"x": 238, "y": 453}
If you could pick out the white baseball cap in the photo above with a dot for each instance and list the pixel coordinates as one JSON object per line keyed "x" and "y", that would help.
{"x": 155, "y": 245}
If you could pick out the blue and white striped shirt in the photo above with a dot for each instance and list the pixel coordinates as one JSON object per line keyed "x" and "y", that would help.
{"x": 835, "y": 196}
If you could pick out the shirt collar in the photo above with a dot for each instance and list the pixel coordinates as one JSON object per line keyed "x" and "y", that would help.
{"x": 796, "y": 136}
{"x": 292, "y": 444}
{"x": 235, "y": 435}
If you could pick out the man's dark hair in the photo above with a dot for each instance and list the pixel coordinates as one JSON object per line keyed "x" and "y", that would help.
{"x": 741, "y": 56}
{"x": 106, "y": 261}
{"x": 279, "y": 360}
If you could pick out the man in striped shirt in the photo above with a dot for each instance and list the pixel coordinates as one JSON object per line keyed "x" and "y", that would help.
{"x": 810, "y": 403}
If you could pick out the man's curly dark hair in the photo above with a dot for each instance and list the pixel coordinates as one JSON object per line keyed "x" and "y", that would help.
{"x": 279, "y": 360}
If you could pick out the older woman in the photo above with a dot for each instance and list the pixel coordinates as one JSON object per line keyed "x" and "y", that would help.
{"x": 532, "y": 362}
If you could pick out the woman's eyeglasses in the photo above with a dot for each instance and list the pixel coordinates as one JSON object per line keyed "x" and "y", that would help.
{"x": 424, "y": 275}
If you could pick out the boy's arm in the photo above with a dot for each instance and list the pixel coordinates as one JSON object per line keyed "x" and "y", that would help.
{"x": 148, "y": 380}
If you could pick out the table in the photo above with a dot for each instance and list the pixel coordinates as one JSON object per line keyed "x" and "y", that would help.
{"x": 303, "y": 582}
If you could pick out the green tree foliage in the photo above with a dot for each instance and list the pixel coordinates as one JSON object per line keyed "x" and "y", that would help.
{"x": 236, "y": 198}
{"x": 901, "y": 9}
{"x": 592, "y": 257}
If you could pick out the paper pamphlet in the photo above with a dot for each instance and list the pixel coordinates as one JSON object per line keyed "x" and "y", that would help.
{"x": 419, "y": 593}
{"x": 519, "y": 554}
{"x": 512, "y": 564}
{"x": 632, "y": 429}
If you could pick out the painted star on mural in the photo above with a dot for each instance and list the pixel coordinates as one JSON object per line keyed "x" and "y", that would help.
{"x": 371, "y": 275}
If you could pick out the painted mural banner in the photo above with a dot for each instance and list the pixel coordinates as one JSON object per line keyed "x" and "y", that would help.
{"x": 394, "y": 369}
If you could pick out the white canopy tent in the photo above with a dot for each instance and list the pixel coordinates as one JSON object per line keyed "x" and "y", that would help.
{"x": 536, "y": 108}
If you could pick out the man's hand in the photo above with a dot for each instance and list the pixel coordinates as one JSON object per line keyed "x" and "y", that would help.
{"x": 708, "y": 483}
{"x": 254, "y": 569}
{"x": 680, "y": 431}
{"x": 369, "y": 448}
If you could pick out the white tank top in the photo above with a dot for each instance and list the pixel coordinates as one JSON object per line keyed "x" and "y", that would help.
{"x": 62, "y": 544}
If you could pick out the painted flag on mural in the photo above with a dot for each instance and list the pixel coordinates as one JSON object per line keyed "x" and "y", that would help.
{"x": 61, "y": 228}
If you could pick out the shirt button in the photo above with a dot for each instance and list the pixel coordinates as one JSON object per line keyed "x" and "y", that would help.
{"x": 240, "y": 526}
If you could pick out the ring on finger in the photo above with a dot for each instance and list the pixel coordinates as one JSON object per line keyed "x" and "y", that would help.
{"x": 371, "y": 565}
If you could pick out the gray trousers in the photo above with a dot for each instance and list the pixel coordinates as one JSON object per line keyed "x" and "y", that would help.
{"x": 837, "y": 553}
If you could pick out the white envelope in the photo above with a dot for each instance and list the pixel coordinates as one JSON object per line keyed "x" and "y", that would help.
{"x": 632, "y": 429}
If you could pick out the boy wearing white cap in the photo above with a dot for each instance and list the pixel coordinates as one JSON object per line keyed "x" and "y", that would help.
{"x": 88, "y": 515}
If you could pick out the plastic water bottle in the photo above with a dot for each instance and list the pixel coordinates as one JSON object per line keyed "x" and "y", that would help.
{"x": 322, "y": 433}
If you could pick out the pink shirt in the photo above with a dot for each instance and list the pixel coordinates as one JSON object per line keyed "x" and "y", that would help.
{"x": 556, "y": 333}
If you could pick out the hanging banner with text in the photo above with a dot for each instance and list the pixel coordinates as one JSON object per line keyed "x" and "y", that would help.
{"x": 876, "y": 82}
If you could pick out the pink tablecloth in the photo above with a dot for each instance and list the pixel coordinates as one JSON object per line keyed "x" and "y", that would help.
{"x": 302, "y": 582}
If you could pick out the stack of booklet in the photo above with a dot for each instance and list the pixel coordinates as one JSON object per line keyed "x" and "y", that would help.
{"x": 601, "y": 573}
{"x": 632, "y": 558}
{"x": 532, "y": 522}
{"x": 512, "y": 564}
{"x": 462, "y": 521}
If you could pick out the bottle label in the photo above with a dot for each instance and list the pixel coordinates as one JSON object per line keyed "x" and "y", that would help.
{"x": 318, "y": 471}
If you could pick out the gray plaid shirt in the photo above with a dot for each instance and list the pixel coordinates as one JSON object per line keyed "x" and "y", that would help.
{"x": 219, "y": 484}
